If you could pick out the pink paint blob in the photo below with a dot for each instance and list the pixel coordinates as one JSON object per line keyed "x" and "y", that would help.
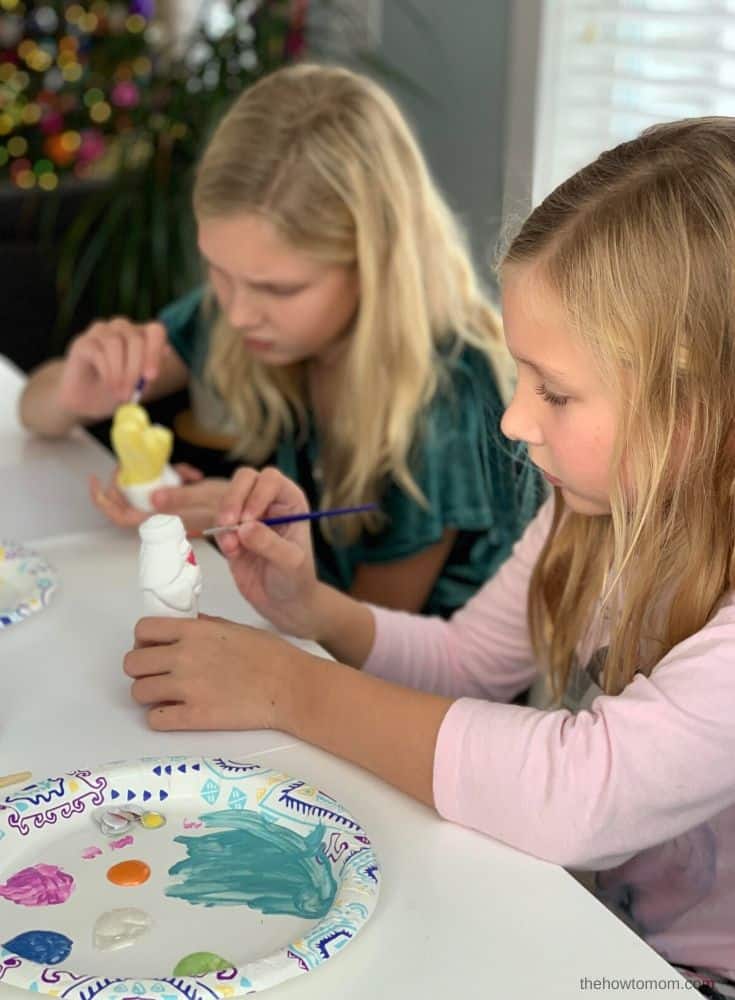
{"x": 122, "y": 842}
{"x": 192, "y": 824}
{"x": 39, "y": 885}
{"x": 91, "y": 852}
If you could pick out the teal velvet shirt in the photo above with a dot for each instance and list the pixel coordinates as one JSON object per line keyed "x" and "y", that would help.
{"x": 475, "y": 481}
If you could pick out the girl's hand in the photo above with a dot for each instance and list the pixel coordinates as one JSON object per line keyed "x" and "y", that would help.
{"x": 272, "y": 567}
{"x": 104, "y": 364}
{"x": 196, "y": 502}
{"x": 208, "y": 673}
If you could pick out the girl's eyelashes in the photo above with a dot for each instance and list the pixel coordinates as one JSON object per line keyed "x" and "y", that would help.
{"x": 551, "y": 397}
{"x": 283, "y": 291}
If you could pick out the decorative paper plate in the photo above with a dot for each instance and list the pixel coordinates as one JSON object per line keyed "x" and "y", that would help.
{"x": 26, "y": 582}
{"x": 230, "y": 878}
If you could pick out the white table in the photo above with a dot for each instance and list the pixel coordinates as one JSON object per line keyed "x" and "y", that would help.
{"x": 460, "y": 915}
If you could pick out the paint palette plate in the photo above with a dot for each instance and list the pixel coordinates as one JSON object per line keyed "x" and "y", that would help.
{"x": 26, "y": 582}
{"x": 254, "y": 878}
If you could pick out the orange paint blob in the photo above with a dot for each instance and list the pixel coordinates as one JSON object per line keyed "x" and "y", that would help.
{"x": 129, "y": 873}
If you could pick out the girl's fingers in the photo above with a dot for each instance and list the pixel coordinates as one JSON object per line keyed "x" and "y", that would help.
{"x": 130, "y": 338}
{"x": 153, "y": 631}
{"x": 236, "y": 496}
{"x": 154, "y": 690}
{"x": 112, "y": 353}
{"x": 114, "y": 506}
{"x": 189, "y": 473}
{"x": 172, "y": 717}
{"x": 180, "y": 499}
{"x": 257, "y": 493}
{"x": 272, "y": 488}
{"x": 229, "y": 544}
{"x": 259, "y": 540}
{"x": 133, "y": 365}
{"x": 90, "y": 353}
{"x": 154, "y": 347}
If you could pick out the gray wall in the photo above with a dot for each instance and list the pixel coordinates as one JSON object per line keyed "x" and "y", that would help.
{"x": 456, "y": 51}
{"x": 458, "y": 54}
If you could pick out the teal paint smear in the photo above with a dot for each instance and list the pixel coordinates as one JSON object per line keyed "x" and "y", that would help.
{"x": 255, "y": 863}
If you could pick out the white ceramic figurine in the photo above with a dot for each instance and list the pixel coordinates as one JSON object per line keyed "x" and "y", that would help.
{"x": 170, "y": 577}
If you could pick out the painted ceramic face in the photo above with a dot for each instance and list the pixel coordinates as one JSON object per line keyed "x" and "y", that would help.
{"x": 287, "y": 305}
{"x": 561, "y": 407}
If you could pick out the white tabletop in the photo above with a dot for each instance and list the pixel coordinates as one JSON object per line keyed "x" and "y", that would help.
{"x": 459, "y": 915}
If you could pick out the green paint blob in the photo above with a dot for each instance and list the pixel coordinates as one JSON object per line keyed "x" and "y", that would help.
{"x": 199, "y": 963}
{"x": 255, "y": 863}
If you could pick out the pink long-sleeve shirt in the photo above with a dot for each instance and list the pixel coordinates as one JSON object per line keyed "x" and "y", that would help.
{"x": 637, "y": 787}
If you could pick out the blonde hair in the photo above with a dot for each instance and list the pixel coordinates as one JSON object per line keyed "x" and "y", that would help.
{"x": 325, "y": 155}
{"x": 640, "y": 248}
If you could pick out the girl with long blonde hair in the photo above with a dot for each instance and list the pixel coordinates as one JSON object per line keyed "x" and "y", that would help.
{"x": 619, "y": 308}
{"x": 345, "y": 337}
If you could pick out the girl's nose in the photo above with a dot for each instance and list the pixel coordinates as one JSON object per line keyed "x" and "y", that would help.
{"x": 519, "y": 421}
{"x": 244, "y": 311}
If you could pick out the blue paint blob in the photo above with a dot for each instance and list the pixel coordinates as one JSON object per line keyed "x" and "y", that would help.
{"x": 255, "y": 863}
{"x": 46, "y": 947}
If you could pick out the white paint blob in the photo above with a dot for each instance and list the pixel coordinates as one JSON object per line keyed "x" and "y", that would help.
{"x": 120, "y": 928}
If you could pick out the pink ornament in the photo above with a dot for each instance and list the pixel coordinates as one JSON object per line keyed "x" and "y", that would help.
{"x": 40, "y": 885}
{"x": 51, "y": 123}
{"x": 92, "y": 146}
{"x": 125, "y": 94}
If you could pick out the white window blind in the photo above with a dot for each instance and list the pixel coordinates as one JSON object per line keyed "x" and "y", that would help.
{"x": 610, "y": 69}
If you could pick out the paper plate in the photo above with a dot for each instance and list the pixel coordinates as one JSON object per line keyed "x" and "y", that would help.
{"x": 266, "y": 875}
{"x": 26, "y": 582}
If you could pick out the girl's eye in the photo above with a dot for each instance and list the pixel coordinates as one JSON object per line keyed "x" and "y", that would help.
{"x": 283, "y": 291}
{"x": 551, "y": 397}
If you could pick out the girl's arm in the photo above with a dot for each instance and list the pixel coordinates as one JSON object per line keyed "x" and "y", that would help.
{"x": 585, "y": 791}
{"x": 213, "y": 674}
{"x": 100, "y": 372}
{"x": 484, "y": 650}
{"x": 404, "y": 584}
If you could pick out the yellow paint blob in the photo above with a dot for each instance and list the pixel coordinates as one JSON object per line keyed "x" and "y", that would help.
{"x": 152, "y": 820}
{"x": 129, "y": 873}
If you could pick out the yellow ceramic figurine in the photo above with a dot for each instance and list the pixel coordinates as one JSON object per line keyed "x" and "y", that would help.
{"x": 143, "y": 450}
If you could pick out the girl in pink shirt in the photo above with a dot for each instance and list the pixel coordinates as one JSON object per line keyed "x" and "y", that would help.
{"x": 619, "y": 308}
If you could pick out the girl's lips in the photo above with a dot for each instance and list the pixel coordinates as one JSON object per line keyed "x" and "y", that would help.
{"x": 253, "y": 344}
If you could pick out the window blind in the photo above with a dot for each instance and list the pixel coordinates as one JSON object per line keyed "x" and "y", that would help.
{"x": 610, "y": 69}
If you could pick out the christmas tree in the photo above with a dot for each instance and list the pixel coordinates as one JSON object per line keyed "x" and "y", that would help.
{"x": 102, "y": 91}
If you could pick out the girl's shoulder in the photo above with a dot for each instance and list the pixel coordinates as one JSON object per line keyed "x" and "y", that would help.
{"x": 182, "y": 310}
{"x": 465, "y": 375}
{"x": 185, "y": 328}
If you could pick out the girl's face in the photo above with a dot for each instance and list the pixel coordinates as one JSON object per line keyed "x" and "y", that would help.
{"x": 288, "y": 306}
{"x": 561, "y": 408}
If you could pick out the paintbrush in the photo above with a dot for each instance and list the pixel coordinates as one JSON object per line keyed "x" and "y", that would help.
{"x": 312, "y": 515}
{"x": 14, "y": 779}
{"x": 138, "y": 390}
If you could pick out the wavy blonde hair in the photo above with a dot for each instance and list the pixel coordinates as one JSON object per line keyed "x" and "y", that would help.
{"x": 326, "y": 156}
{"x": 640, "y": 248}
